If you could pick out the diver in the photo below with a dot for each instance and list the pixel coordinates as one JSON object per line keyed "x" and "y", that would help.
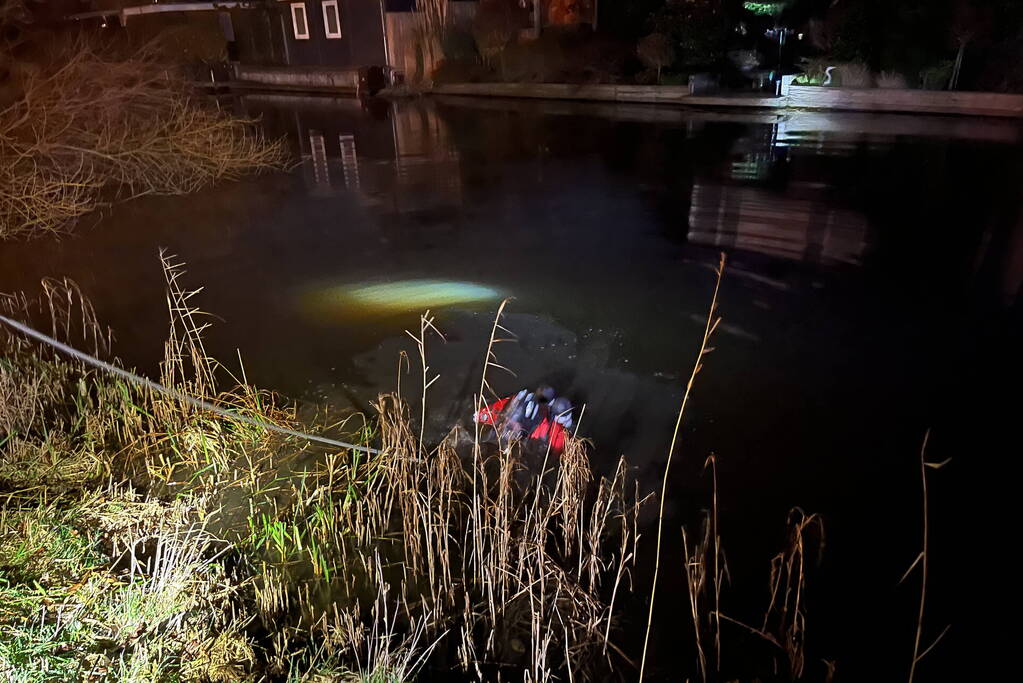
{"x": 526, "y": 411}
{"x": 555, "y": 428}
{"x": 540, "y": 416}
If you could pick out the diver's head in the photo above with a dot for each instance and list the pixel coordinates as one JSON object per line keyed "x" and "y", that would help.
{"x": 544, "y": 393}
{"x": 561, "y": 410}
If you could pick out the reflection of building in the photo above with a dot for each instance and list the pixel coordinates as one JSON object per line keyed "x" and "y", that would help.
{"x": 776, "y": 201}
{"x": 399, "y": 157}
{"x": 427, "y": 164}
{"x": 793, "y": 225}
{"x": 761, "y": 151}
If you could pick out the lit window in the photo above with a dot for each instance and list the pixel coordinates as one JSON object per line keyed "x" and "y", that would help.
{"x": 299, "y": 21}
{"x": 331, "y": 19}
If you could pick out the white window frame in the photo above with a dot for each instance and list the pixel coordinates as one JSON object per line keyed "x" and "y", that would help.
{"x": 295, "y": 7}
{"x": 326, "y": 24}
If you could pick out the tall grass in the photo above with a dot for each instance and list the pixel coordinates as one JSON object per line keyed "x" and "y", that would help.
{"x": 922, "y": 561}
{"x": 143, "y": 539}
{"x": 297, "y": 560}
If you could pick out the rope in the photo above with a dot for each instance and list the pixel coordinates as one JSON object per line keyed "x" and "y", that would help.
{"x": 174, "y": 393}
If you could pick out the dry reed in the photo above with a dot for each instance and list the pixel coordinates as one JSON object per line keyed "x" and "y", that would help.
{"x": 694, "y": 567}
{"x": 921, "y": 560}
{"x": 701, "y": 573}
{"x": 784, "y": 622}
{"x": 462, "y": 555}
{"x": 785, "y": 616}
{"x": 711, "y": 324}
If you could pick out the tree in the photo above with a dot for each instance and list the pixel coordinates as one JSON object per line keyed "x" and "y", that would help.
{"x": 88, "y": 123}
{"x": 701, "y": 29}
{"x": 495, "y": 24}
{"x": 970, "y": 22}
{"x": 656, "y": 52}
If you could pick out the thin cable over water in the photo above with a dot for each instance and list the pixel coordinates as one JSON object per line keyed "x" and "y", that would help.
{"x": 174, "y": 393}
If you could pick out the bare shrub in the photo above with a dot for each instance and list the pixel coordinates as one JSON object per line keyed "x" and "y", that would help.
{"x": 852, "y": 75}
{"x": 937, "y": 76}
{"x": 656, "y": 52}
{"x": 496, "y": 24}
{"x": 85, "y": 122}
{"x": 891, "y": 80}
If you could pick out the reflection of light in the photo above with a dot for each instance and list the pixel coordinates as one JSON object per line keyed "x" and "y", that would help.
{"x": 753, "y": 166}
{"x": 399, "y": 297}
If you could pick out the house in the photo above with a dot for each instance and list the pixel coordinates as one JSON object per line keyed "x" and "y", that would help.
{"x": 336, "y": 45}
{"x": 318, "y": 33}
{"x": 280, "y": 32}
{"x": 342, "y": 46}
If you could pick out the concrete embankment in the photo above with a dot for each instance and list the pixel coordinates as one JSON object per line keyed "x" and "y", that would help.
{"x": 347, "y": 81}
{"x": 795, "y": 97}
{"x": 296, "y": 79}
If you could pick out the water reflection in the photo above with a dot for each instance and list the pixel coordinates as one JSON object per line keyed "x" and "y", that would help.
{"x": 795, "y": 225}
{"x": 343, "y": 145}
{"x": 599, "y": 219}
{"x": 780, "y": 187}
{"x": 772, "y": 203}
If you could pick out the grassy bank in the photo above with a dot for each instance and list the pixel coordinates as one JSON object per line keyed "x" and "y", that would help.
{"x": 141, "y": 539}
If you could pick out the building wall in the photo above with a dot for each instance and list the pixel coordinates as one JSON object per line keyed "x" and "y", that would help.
{"x": 408, "y": 52}
{"x": 266, "y": 37}
{"x": 259, "y": 37}
{"x": 361, "y": 42}
{"x": 405, "y": 49}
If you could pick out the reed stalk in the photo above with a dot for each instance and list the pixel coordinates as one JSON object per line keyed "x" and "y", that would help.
{"x": 921, "y": 560}
{"x": 708, "y": 330}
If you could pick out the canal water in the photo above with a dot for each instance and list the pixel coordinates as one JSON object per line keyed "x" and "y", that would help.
{"x": 872, "y": 291}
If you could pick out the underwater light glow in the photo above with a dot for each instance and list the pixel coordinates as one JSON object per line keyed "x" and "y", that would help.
{"x": 402, "y": 296}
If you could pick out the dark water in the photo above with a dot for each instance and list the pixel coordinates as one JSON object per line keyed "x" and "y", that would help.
{"x": 872, "y": 292}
